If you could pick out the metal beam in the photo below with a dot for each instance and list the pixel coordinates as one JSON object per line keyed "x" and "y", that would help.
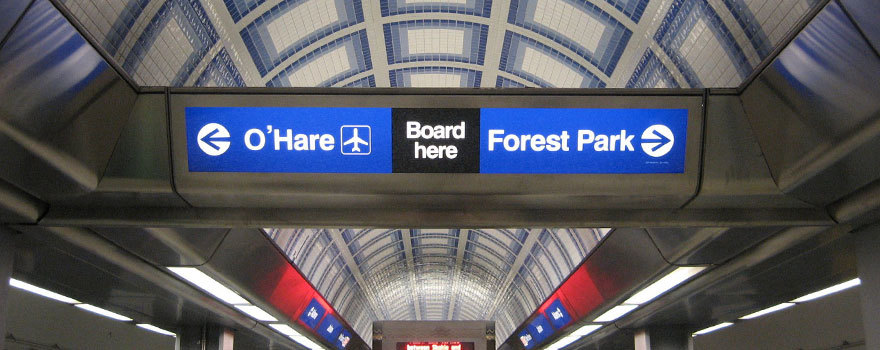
{"x": 456, "y": 275}
{"x": 505, "y": 285}
{"x": 336, "y": 236}
{"x": 410, "y": 270}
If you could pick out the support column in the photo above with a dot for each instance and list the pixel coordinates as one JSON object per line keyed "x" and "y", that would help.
{"x": 207, "y": 337}
{"x": 7, "y": 253}
{"x": 869, "y": 272}
{"x": 663, "y": 338}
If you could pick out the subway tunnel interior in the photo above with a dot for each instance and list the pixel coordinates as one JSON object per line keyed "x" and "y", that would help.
{"x": 117, "y": 203}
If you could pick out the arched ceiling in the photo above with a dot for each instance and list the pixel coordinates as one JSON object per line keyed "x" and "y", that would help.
{"x": 437, "y": 274}
{"x": 440, "y": 43}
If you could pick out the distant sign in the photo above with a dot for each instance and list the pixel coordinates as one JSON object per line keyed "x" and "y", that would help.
{"x": 343, "y": 339}
{"x": 450, "y": 140}
{"x": 436, "y": 346}
{"x": 557, "y": 314}
{"x": 330, "y": 328}
{"x": 540, "y": 328}
{"x": 312, "y": 314}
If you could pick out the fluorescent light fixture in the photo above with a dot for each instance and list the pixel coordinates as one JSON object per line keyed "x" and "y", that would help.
{"x": 284, "y": 329}
{"x": 585, "y": 330}
{"x": 767, "y": 311}
{"x": 663, "y": 285}
{"x": 615, "y": 313}
{"x": 561, "y": 343}
{"x": 40, "y": 291}
{"x": 208, "y": 284}
{"x": 153, "y": 328}
{"x": 829, "y": 290}
{"x": 257, "y": 313}
{"x": 713, "y": 328}
{"x": 102, "y": 312}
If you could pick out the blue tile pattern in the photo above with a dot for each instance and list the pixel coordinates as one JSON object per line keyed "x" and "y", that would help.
{"x": 512, "y": 54}
{"x": 746, "y": 20}
{"x": 650, "y": 72}
{"x": 221, "y": 71}
{"x": 611, "y": 45}
{"x": 194, "y": 23}
{"x": 397, "y": 45}
{"x": 677, "y": 25}
{"x": 267, "y": 36}
{"x": 503, "y": 82}
{"x": 369, "y": 81}
{"x": 267, "y": 56}
{"x": 402, "y": 77}
{"x": 240, "y": 8}
{"x": 122, "y": 25}
{"x": 359, "y": 60}
{"x": 634, "y": 9}
{"x": 480, "y": 8}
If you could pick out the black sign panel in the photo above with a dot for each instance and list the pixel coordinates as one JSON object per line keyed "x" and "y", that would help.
{"x": 435, "y": 140}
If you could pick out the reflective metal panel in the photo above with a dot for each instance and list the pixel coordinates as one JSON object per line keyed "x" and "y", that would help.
{"x": 166, "y": 246}
{"x": 865, "y": 12}
{"x": 815, "y": 111}
{"x": 56, "y": 89}
{"x": 10, "y": 12}
{"x": 735, "y": 173}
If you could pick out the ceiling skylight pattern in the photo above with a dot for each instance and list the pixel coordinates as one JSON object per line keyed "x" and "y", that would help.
{"x": 440, "y": 43}
{"x": 436, "y": 274}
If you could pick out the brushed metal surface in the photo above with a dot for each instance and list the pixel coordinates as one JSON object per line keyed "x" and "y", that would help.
{"x": 703, "y": 246}
{"x": 815, "y": 111}
{"x": 80, "y": 264}
{"x": 791, "y": 264}
{"x": 18, "y": 207}
{"x": 435, "y": 191}
{"x": 56, "y": 89}
{"x": 166, "y": 246}
{"x": 735, "y": 173}
{"x": 139, "y": 170}
{"x": 10, "y": 12}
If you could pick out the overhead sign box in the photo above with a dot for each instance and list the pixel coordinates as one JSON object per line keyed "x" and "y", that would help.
{"x": 407, "y": 140}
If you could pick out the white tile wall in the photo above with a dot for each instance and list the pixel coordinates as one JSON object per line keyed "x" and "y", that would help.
{"x": 167, "y": 55}
{"x": 550, "y": 70}
{"x": 570, "y": 21}
{"x": 435, "y": 80}
{"x": 435, "y": 40}
{"x": 322, "y": 68}
{"x": 301, "y": 21}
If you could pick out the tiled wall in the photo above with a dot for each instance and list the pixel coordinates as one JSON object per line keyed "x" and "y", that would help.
{"x": 460, "y": 43}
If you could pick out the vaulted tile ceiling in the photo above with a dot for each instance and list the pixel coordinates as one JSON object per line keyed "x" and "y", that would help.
{"x": 440, "y": 43}
{"x": 402, "y": 274}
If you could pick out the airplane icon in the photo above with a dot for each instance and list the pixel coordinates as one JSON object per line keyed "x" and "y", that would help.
{"x": 352, "y": 137}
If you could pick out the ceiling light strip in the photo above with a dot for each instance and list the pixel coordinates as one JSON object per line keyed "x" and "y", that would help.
{"x": 768, "y": 310}
{"x": 713, "y": 328}
{"x": 827, "y": 291}
{"x": 153, "y": 328}
{"x": 103, "y": 312}
{"x": 40, "y": 291}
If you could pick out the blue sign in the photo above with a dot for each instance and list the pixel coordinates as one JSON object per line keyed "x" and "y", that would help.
{"x": 289, "y": 139}
{"x": 540, "y": 328}
{"x": 312, "y": 314}
{"x": 488, "y": 140}
{"x": 557, "y": 314}
{"x": 330, "y": 328}
{"x": 342, "y": 339}
{"x": 527, "y": 339}
{"x": 582, "y": 141}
